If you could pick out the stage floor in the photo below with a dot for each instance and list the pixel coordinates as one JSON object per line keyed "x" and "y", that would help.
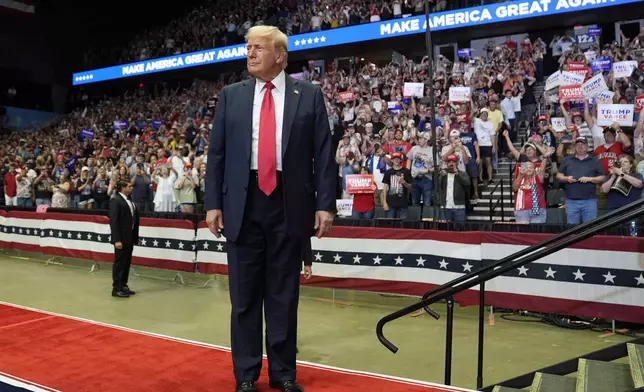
{"x": 337, "y": 328}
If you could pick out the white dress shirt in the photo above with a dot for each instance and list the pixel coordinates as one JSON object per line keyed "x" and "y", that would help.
{"x": 278, "y": 98}
{"x": 129, "y": 203}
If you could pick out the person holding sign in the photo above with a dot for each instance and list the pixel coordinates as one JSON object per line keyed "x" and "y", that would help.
{"x": 608, "y": 153}
{"x": 581, "y": 172}
{"x": 623, "y": 186}
{"x": 364, "y": 205}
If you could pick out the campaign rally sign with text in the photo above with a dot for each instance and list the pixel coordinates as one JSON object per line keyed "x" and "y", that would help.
{"x": 604, "y": 64}
{"x": 605, "y": 97}
{"x": 413, "y": 89}
{"x": 624, "y": 69}
{"x": 553, "y": 81}
{"x": 359, "y": 183}
{"x": 571, "y": 79}
{"x": 571, "y": 93}
{"x": 607, "y": 114}
{"x": 459, "y": 94}
{"x": 345, "y": 96}
{"x": 558, "y": 124}
{"x": 594, "y": 86}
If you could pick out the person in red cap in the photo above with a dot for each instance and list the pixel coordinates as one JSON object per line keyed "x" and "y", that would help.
{"x": 185, "y": 186}
{"x": 10, "y": 186}
{"x": 455, "y": 189}
{"x": 577, "y": 119}
{"x": 396, "y": 185}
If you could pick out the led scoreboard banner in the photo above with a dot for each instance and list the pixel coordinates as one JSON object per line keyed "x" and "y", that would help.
{"x": 465, "y": 17}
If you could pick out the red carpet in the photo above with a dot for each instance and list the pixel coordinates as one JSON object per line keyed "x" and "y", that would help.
{"x": 72, "y": 355}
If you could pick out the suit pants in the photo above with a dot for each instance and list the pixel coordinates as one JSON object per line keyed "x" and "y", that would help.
{"x": 264, "y": 266}
{"x": 121, "y": 267}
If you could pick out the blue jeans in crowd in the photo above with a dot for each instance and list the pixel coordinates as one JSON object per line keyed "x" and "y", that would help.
{"x": 581, "y": 211}
{"x": 75, "y": 200}
{"x": 25, "y": 202}
{"x": 363, "y": 215}
{"x": 455, "y": 214}
{"x": 422, "y": 187}
{"x": 40, "y": 202}
{"x": 525, "y": 216}
{"x": 397, "y": 212}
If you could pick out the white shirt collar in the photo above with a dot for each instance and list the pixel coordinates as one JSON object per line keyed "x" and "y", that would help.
{"x": 279, "y": 82}
{"x": 123, "y": 196}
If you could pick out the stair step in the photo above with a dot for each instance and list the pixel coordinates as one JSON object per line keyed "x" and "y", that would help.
{"x": 508, "y": 210}
{"x": 636, "y": 358}
{"x": 544, "y": 382}
{"x": 499, "y": 388}
{"x": 598, "y": 376}
{"x": 483, "y": 218}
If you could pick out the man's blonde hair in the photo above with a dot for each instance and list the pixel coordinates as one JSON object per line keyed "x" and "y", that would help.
{"x": 279, "y": 39}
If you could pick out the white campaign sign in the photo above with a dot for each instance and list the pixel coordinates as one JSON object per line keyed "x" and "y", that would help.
{"x": 569, "y": 78}
{"x": 459, "y": 94}
{"x": 344, "y": 207}
{"x": 590, "y": 55}
{"x": 605, "y": 97}
{"x": 594, "y": 86}
{"x": 414, "y": 89}
{"x": 624, "y": 69}
{"x": 553, "y": 81}
{"x": 558, "y": 124}
{"x": 607, "y": 114}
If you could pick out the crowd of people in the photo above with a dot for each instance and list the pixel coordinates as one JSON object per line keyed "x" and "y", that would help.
{"x": 220, "y": 23}
{"x": 597, "y": 162}
{"x": 159, "y": 142}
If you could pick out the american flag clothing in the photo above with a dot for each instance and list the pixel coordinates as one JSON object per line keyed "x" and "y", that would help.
{"x": 530, "y": 195}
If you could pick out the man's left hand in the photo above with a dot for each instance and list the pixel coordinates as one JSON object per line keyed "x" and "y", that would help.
{"x": 323, "y": 222}
{"x": 308, "y": 272}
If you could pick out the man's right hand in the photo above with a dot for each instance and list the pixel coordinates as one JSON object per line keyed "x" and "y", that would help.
{"x": 215, "y": 221}
{"x": 118, "y": 245}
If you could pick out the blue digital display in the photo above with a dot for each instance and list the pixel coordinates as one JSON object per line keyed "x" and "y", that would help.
{"x": 465, "y": 17}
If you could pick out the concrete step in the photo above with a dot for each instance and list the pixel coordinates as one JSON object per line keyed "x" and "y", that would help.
{"x": 597, "y": 376}
{"x": 636, "y": 359}
{"x": 486, "y": 202}
{"x": 507, "y": 209}
{"x": 543, "y": 382}
{"x": 506, "y": 389}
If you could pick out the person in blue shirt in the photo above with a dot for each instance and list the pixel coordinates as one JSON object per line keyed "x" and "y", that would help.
{"x": 624, "y": 185}
{"x": 581, "y": 173}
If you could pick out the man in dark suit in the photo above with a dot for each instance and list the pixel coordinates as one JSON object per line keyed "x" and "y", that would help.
{"x": 124, "y": 226}
{"x": 270, "y": 185}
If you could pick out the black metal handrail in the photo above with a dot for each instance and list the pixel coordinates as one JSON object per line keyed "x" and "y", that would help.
{"x": 525, "y": 256}
{"x": 500, "y": 200}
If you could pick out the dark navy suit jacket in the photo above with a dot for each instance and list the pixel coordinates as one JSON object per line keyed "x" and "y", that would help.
{"x": 308, "y": 166}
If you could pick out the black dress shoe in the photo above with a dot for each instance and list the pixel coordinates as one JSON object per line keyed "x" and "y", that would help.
{"x": 286, "y": 386}
{"x": 127, "y": 290}
{"x": 246, "y": 386}
{"x": 120, "y": 294}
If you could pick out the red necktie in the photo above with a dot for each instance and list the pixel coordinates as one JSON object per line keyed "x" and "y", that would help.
{"x": 266, "y": 161}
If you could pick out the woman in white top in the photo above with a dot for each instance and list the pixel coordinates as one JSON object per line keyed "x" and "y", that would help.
{"x": 486, "y": 135}
{"x": 164, "y": 199}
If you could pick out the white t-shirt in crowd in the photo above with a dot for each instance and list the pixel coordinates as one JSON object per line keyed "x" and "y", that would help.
{"x": 484, "y": 131}
{"x": 449, "y": 193}
{"x": 508, "y": 110}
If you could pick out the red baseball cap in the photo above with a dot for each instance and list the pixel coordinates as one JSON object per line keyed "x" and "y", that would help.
{"x": 452, "y": 157}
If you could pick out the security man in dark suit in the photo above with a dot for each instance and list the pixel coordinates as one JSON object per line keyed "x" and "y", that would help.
{"x": 270, "y": 185}
{"x": 124, "y": 225}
